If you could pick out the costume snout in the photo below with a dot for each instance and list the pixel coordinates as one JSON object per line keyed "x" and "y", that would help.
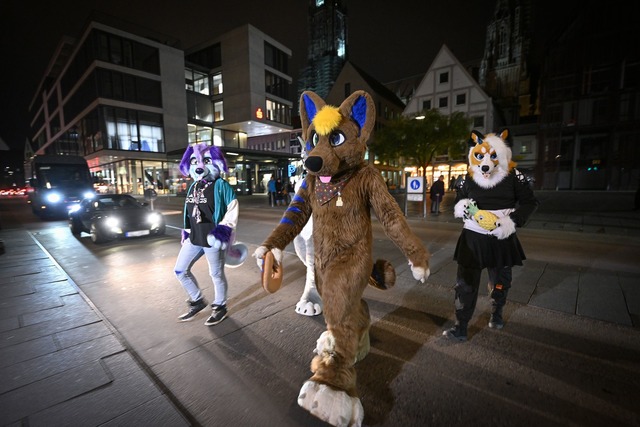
{"x": 313, "y": 163}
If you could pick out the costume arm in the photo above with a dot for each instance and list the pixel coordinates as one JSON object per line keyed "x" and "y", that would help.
{"x": 527, "y": 202}
{"x": 230, "y": 218}
{"x": 395, "y": 226}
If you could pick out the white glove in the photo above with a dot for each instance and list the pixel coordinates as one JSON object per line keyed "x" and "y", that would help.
{"x": 505, "y": 227}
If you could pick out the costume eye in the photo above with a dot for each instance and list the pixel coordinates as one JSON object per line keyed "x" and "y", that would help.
{"x": 314, "y": 139}
{"x": 193, "y": 161}
{"x": 478, "y": 156}
{"x": 494, "y": 156}
{"x": 336, "y": 138}
{"x": 207, "y": 160}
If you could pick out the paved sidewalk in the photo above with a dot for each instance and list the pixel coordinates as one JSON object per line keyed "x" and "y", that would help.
{"x": 63, "y": 363}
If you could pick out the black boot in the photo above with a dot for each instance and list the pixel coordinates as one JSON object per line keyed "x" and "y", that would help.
{"x": 498, "y": 300}
{"x": 458, "y": 332}
{"x": 496, "y": 322}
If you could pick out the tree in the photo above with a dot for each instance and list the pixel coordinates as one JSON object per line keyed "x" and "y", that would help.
{"x": 418, "y": 139}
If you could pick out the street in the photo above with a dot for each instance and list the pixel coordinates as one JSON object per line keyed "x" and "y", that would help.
{"x": 546, "y": 367}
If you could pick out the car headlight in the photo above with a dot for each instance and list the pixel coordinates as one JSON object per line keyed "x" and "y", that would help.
{"x": 53, "y": 197}
{"x": 112, "y": 222}
{"x": 155, "y": 219}
{"x": 88, "y": 194}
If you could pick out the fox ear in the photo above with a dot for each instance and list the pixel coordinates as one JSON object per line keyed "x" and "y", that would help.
{"x": 359, "y": 106}
{"x": 475, "y": 138}
{"x": 505, "y": 135}
{"x": 310, "y": 104}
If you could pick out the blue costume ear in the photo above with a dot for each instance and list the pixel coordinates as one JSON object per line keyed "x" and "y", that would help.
{"x": 310, "y": 107}
{"x": 359, "y": 111}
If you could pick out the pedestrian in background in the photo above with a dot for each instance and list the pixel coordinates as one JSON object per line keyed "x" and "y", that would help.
{"x": 271, "y": 188}
{"x": 279, "y": 194}
{"x": 437, "y": 193}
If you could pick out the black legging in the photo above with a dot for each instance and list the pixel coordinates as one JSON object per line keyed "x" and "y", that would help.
{"x": 468, "y": 283}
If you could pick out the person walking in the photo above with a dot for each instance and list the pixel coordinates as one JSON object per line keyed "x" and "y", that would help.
{"x": 279, "y": 195}
{"x": 271, "y": 188}
{"x": 210, "y": 218}
{"x": 437, "y": 193}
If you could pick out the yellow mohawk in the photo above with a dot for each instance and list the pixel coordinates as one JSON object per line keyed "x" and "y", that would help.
{"x": 327, "y": 119}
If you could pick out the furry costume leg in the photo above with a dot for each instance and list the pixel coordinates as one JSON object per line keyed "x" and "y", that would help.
{"x": 310, "y": 303}
{"x": 331, "y": 394}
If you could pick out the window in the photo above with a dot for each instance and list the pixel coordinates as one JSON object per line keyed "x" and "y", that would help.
{"x": 217, "y": 84}
{"x": 276, "y": 85}
{"x": 275, "y": 58}
{"x": 218, "y": 111}
{"x": 426, "y": 105}
{"x": 118, "y": 50}
{"x": 209, "y": 57}
{"x": 443, "y": 102}
{"x": 198, "y": 134}
{"x": 278, "y": 112}
{"x": 444, "y": 77}
{"x": 133, "y": 130}
{"x": 461, "y": 99}
{"x": 196, "y": 81}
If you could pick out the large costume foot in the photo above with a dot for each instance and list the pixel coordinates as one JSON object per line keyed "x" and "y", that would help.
{"x": 310, "y": 303}
{"x": 333, "y": 406}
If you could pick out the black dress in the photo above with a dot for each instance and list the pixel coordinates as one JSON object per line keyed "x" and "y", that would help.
{"x": 476, "y": 250}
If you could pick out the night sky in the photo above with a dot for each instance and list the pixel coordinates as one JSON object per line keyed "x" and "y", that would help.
{"x": 390, "y": 40}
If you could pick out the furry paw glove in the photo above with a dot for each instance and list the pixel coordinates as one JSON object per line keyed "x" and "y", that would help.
{"x": 220, "y": 237}
{"x": 419, "y": 273}
{"x": 505, "y": 227}
{"x": 461, "y": 209}
{"x": 262, "y": 251}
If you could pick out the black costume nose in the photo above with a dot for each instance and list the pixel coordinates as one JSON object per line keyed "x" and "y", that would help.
{"x": 313, "y": 163}
{"x": 199, "y": 171}
{"x": 485, "y": 168}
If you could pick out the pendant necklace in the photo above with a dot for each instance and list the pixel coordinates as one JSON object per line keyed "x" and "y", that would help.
{"x": 199, "y": 195}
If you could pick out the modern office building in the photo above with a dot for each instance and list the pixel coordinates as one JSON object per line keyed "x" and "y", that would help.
{"x": 130, "y": 103}
{"x": 117, "y": 99}
{"x": 238, "y": 87}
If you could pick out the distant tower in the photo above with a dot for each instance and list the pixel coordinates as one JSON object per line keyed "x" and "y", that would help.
{"x": 506, "y": 72}
{"x": 327, "y": 46}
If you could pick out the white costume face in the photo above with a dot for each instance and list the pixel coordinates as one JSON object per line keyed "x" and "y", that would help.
{"x": 489, "y": 160}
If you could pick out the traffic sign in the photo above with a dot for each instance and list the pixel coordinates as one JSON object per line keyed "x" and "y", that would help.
{"x": 415, "y": 184}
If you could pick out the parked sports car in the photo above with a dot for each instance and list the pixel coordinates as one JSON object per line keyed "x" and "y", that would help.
{"x": 114, "y": 216}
